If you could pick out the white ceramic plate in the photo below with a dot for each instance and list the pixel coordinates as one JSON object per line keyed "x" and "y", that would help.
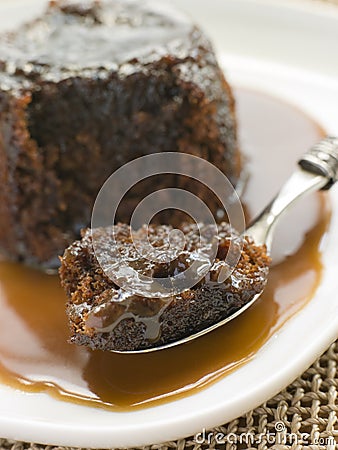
{"x": 280, "y": 47}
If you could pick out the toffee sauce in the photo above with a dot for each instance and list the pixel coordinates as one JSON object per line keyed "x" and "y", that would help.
{"x": 35, "y": 355}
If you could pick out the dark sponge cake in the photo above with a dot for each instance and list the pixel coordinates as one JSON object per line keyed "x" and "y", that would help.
{"x": 104, "y": 316}
{"x": 87, "y": 87}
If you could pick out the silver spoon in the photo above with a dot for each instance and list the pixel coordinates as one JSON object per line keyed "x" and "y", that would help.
{"x": 317, "y": 169}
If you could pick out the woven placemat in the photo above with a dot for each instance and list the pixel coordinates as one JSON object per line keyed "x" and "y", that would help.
{"x": 303, "y": 416}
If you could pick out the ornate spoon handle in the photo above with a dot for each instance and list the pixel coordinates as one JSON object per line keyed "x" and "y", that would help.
{"x": 318, "y": 169}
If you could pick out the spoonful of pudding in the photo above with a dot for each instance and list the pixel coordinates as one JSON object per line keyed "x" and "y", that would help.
{"x": 105, "y": 312}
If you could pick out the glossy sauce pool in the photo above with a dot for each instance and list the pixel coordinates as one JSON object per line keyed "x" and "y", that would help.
{"x": 34, "y": 353}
